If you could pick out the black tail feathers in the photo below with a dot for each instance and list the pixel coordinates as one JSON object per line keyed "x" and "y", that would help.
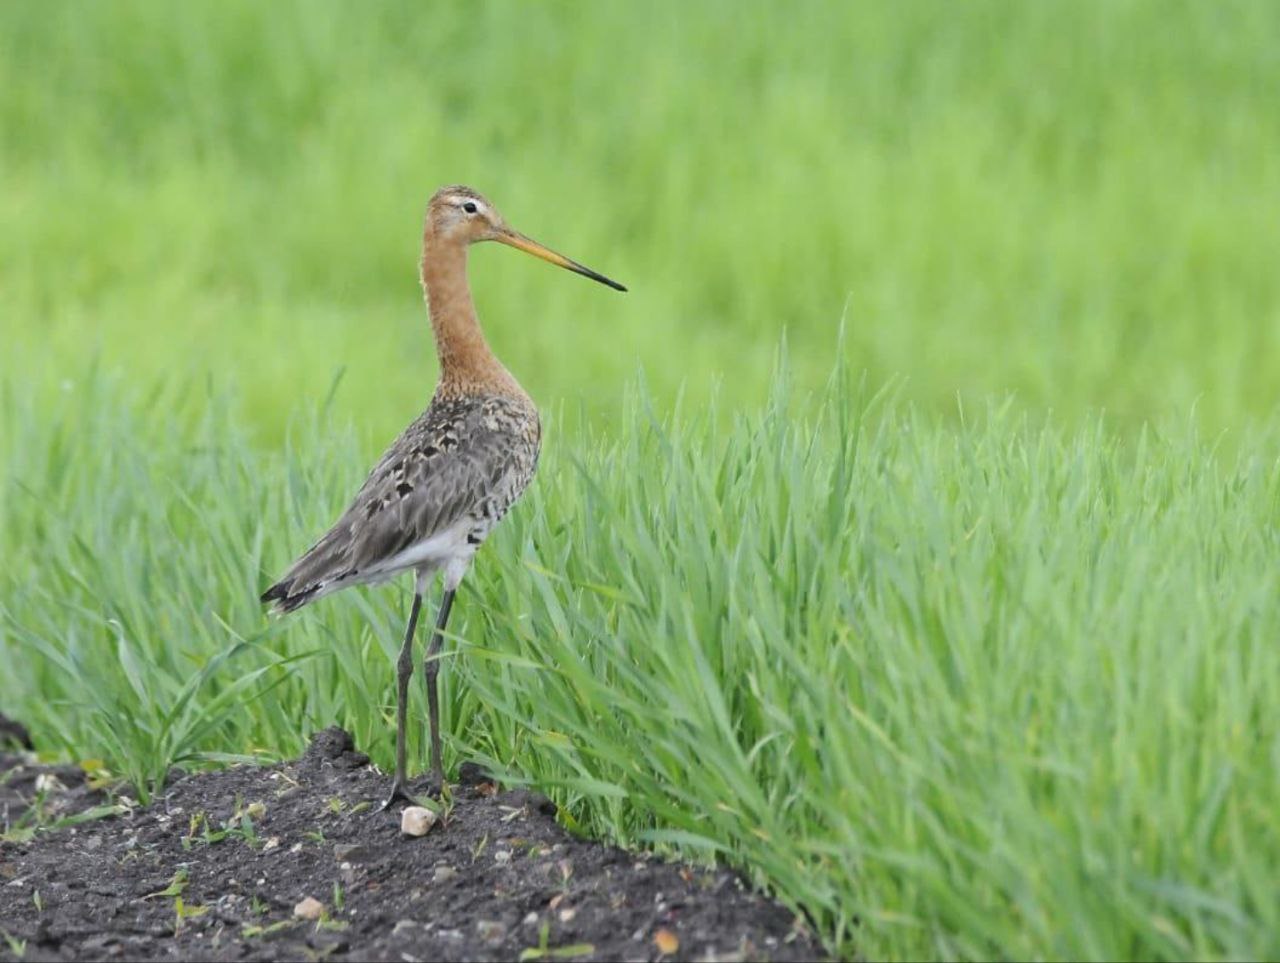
{"x": 282, "y": 599}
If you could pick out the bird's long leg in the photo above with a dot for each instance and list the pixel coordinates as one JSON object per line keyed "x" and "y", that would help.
{"x": 404, "y": 669}
{"x": 431, "y": 667}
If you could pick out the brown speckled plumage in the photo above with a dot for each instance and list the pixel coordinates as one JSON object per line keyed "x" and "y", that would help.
{"x": 466, "y": 460}
{"x": 452, "y": 475}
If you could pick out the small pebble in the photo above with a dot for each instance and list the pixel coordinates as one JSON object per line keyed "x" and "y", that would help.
{"x": 567, "y": 915}
{"x": 502, "y": 857}
{"x": 531, "y": 919}
{"x": 666, "y": 941}
{"x": 491, "y": 931}
{"x": 349, "y": 852}
{"x": 309, "y": 908}
{"x": 444, "y": 873}
{"x": 416, "y": 820}
{"x": 47, "y": 782}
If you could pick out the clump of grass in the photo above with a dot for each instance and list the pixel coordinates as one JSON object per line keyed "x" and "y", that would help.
{"x": 991, "y": 692}
{"x": 982, "y": 690}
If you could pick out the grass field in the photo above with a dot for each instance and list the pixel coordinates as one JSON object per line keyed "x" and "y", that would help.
{"x": 961, "y": 666}
{"x": 994, "y": 691}
{"x": 1071, "y": 200}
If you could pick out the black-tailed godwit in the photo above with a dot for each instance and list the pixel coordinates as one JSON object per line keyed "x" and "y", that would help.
{"x": 445, "y": 483}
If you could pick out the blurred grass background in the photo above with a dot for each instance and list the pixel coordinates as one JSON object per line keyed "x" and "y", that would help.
{"x": 1072, "y": 201}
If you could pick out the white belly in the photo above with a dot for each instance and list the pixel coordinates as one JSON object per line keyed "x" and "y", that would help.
{"x": 450, "y": 550}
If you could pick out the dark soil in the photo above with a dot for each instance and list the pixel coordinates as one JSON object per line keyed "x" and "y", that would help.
{"x": 215, "y": 869}
{"x": 13, "y": 735}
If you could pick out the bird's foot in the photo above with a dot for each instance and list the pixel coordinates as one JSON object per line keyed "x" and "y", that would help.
{"x": 435, "y": 787}
{"x": 398, "y": 794}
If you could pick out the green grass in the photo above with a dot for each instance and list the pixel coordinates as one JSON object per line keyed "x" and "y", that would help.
{"x": 985, "y": 690}
{"x": 1071, "y": 200}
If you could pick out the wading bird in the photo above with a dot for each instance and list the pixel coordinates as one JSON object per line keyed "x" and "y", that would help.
{"x": 450, "y": 477}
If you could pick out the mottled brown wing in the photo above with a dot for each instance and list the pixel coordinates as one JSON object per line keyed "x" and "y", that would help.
{"x": 461, "y": 459}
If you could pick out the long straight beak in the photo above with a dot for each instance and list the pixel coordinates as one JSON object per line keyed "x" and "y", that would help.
{"x": 518, "y": 240}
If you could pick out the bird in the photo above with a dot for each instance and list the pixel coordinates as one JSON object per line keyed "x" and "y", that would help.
{"x": 450, "y": 477}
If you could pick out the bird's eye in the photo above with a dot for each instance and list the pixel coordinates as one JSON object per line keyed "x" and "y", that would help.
{"x": 469, "y": 207}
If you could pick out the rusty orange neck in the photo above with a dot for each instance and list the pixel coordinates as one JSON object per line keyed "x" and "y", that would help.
{"x": 467, "y": 364}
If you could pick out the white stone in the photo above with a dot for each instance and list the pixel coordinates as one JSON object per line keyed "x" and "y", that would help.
{"x": 416, "y": 821}
{"x": 309, "y": 908}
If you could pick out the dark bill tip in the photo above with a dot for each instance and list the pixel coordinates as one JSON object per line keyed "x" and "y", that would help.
{"x": 586, "y": 272}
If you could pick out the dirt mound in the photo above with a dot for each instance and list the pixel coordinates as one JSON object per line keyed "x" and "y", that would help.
{"x": 295, "y": 862}
{"x": 13, "y": 735}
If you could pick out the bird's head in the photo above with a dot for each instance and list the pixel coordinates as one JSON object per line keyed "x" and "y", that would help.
{"x": 460, "y": 216}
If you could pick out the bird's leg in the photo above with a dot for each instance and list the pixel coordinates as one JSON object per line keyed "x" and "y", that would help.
{"x": 404, "y": 669}
{"x": 431, "y": 667}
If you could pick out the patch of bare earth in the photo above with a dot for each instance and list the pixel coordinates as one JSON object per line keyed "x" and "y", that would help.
{"x": 294, "y": 862}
